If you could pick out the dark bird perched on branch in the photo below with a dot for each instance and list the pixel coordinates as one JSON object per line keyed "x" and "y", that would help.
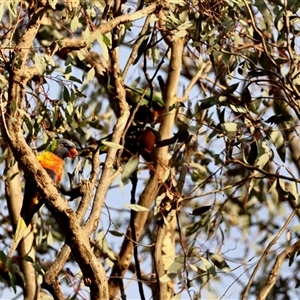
{"x": 138, "y": 141}
{"x": 143, "y": 141}
{"x": 52, "y": 160}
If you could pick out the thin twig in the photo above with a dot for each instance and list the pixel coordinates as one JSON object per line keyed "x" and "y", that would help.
{"x": 2, "y": 114}
{"x": 134, "y": 181}
{"x": 192, "y": 82}
{"x": 136, "y": 46}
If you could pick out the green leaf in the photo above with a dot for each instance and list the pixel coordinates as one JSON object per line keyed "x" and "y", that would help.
{"x": 81, "y": 55}
{"x": 129, "y": 168}
{"x": 49, "y": 60}
{"x": 88, "y": 37}
{"x": 200, "y": 168}
{"x": 66, "y": 94}
{"x": 266, "y": 14}
{"x": 103, "y": 45}
{"x": 69, "y": 60}
{"x": 200, "y": 210}
{"x": 68, "y": 72}
{"x": 209, "y": 102}
{"x": 212, "y": 135}
{"x": 103, "y": 245}
{"x": 293, "y": 188}
{"x": 262, "y": 161}
{"x": 209, "y": 266}
{"x": 276, "y": 138}
{"x": 2, "y": 4}
{"x": 167, "y": 277}
{"x": 238, "y": 109}
{"x": 74, "y": 23}
{"x": 166, "y": 174}
{"x": 13, "y": 5}
{"x": 193, "y": 267}
{"x": 194, "y": 227}
{"x": 176, "y": 266}
{"x": 297, "y": 283}
{"x": 13, "y": 176}
{"x": 136, "y": 207}
{"x": 279, "y": 118}
{"x": 220, "y": 262}
{"x": 49, "y": 238}
{"x": 52, "y": 3}
{"x": 40, "y": 63}
{"x": 75, "y": 79}
{"x": 91, "y": 74}
{"x": 232, "y": 126}
{"x": 28, "y": 258}
{"x": 116, "y": 233}
{"x": 142, "y": 49}
{"x": 3, "y": 257}
{"x": 232, "y": 88}
{"x": 112, "y": 144}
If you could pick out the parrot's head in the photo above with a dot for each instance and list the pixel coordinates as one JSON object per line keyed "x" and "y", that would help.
{"x": 63, "y": 148}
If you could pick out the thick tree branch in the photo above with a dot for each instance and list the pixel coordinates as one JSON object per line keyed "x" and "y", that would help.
{"x": 106, "y": 177}
{"x": 76, "y": 238}
{"x": 14, "y": 199}
{"x": 275, "y": 271}
{"x": 49, "y": 279}
{"x": 151, "y": 189}
{"x": 160, "y": 290}
{"x": 265, "y": 253}
{"x": 170, "y": 97}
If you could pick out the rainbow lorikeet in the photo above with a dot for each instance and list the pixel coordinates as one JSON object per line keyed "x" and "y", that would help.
{"x": 52, "y": 160}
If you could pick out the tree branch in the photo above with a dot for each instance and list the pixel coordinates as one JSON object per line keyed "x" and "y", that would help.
{"x": 76, "y": 238}
{"x": 151, "y": 189}
{"x": 274, "y": 273}
{"x": 14, "y": 199}
{"x": 265, "y": 253}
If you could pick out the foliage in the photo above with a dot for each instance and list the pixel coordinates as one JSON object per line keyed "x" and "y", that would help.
{"x": 202, "y": 99}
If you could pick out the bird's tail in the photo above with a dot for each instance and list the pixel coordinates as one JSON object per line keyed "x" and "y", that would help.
{"x": 20, "y": 232}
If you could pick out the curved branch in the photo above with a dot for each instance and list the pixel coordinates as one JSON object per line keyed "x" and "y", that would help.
{"x": 265, "y": 253}
{"x": 76, "y": 238}
{"x": 151, "y": 189}
{"x": 136, "y": 46}
{"x": 274, "y": 273}
{"x": 14, "y": 199}
{"x": 110, "y": 25}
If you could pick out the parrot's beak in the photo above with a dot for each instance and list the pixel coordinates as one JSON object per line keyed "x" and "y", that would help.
{"x": 73, "y": 153}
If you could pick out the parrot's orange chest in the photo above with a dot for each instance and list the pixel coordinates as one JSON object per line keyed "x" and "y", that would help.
{"x": 50, "y": 161}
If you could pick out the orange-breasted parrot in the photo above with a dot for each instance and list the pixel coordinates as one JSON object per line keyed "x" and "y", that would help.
{"x": 52, "y": 160}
